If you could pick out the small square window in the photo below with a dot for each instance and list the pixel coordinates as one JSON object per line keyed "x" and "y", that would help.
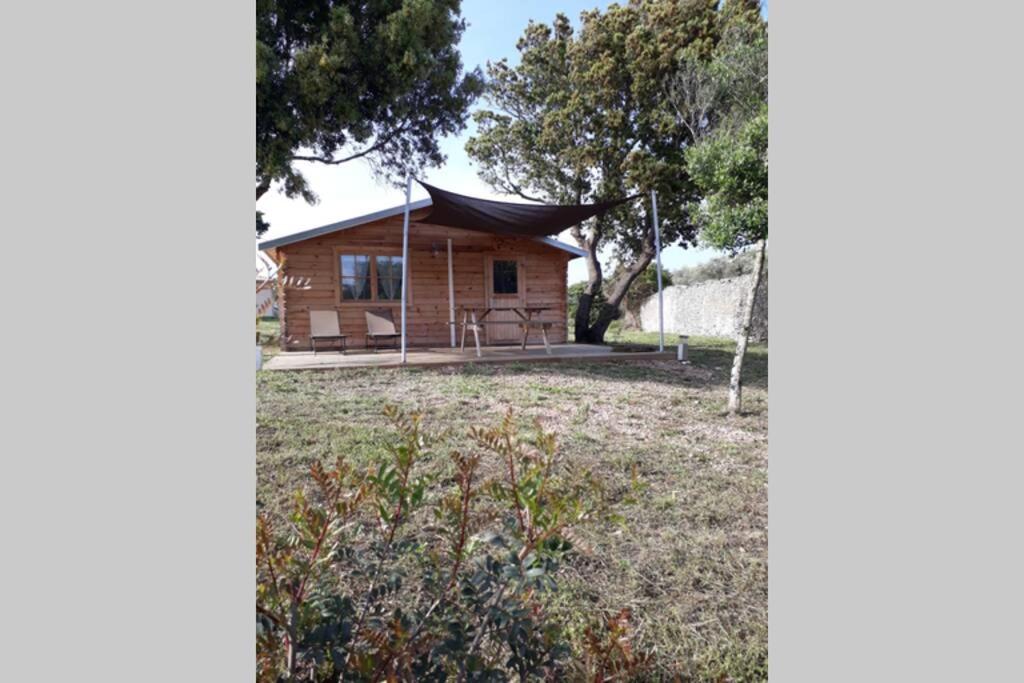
{"x": 506, "y": 277}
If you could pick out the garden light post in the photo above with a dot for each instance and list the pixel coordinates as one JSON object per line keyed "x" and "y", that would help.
{"x": 683, "y": 347}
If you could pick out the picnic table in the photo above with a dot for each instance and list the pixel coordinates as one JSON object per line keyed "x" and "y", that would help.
{"x": 474, "y": 318}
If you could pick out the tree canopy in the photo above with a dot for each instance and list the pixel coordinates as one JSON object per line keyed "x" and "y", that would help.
{"x": 731, "y": 168}
{"x": 585, "y": 117}
{"x": 338, "y": 80}
{"x": 723, "y": 101}
{"x": 729, "y": 163}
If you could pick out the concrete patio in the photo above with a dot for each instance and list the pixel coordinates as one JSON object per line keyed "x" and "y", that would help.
{"x": 419, "y": 357}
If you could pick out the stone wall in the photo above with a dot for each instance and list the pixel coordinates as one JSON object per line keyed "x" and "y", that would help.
{"x": 709, "y": 309}
{"x": 262, "y": 297}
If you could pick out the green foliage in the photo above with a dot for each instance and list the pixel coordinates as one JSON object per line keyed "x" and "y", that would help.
{"x": 645, "y": 286}
{"x": 729, "y": 81}
{"x": 391, "y": 575}
{"x": 731, "y": 167}
{"x": 729, "y": 162}
{"x": 582, "y": 118}
{"x": 718, "y": 268}
{"x": 340, "y": 80}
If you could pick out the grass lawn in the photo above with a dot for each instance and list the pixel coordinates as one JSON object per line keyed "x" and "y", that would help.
{"x": 269, "y": 330}
{"x": 690, "y": 559}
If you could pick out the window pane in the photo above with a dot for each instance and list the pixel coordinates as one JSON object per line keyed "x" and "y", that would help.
{"x": 355, "y": 276}
{"x": 389, "y": 288}
{"x": 389, "y": 277}
{"x": 355, "y": 265}
{"x": 389, "y": 266}
{"x": 355, "y": 288}
{"x": 506, "y": 277}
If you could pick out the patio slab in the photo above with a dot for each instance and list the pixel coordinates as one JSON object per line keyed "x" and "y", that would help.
{"x": 419, "y": 357}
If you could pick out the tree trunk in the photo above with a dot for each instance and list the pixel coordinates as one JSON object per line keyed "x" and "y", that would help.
{"x": 586, "y": 302}
{"x": 735, "y": 383}
{"x": 611, "y": 310}
{"x": 581, "y": 334}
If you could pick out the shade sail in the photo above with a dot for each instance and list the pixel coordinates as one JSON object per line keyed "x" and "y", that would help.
{"x": 504, "y": 218}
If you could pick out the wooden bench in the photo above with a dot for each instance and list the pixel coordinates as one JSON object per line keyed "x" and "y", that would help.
{"x": 544, "y": 326}
{"x": 524, "y": 325}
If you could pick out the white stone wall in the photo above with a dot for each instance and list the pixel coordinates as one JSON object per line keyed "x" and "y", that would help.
{"x": 264, "y": 295}
{"x": 708, "y": 309}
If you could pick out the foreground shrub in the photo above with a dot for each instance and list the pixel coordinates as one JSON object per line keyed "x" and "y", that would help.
{"x": 402, "y": 573}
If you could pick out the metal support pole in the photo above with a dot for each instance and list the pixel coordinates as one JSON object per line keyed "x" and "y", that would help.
{"x": 451, "y": 293}
{"x": 405, "y": 256}
{"x": 657, "y": 252}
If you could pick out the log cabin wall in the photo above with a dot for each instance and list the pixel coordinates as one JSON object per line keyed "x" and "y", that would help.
{"x": 311, "y": 279}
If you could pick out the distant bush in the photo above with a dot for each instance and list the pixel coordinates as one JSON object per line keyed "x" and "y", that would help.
{"x": 718, "y": 268}
{"x": 423, "y": 569}
{"x": 642, "y": 288}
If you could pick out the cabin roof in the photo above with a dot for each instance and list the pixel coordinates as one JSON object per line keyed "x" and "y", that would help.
{"x": 387, "y": 213}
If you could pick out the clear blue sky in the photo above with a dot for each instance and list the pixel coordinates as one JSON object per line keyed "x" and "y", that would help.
{"x": 349, "y": 190}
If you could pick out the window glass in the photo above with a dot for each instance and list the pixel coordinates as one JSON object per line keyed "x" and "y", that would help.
{"x": 506, "y": 277}
{"x": 355, "y": 276}
{"x": 389, "y": 277}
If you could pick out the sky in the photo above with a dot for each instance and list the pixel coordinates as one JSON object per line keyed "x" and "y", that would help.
{"x": 350, "y": 190}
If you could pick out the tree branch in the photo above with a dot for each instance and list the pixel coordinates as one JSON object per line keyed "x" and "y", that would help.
{"x": 622, "y": 284}
{"x": 516, "y": 189}
{"x": 335, "y": 162}
{"x": 381, "y": 142}
{"x": 262, "y": 187}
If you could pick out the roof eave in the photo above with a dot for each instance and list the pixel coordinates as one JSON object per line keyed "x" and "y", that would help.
{"x": 575, "y": 251}
{"x": 342, "y": 225}
{"x": 271, "y": 245}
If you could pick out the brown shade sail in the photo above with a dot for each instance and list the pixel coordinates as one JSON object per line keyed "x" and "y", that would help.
{"x": 504, "y": 218}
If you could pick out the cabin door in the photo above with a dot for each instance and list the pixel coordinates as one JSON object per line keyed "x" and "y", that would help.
{"x": 505, "y": 287}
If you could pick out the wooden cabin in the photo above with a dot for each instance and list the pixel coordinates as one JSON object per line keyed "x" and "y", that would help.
{"x": 355, "y": 265}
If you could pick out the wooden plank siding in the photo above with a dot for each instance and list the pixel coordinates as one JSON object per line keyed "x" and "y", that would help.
{"x": 427, "y": 324}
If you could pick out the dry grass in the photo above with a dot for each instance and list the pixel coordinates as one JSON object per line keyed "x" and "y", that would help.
{"x": 269, "y": 330}
{"x": 691, "y": 556}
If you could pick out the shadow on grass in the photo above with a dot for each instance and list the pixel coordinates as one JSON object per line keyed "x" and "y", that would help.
{"x": 716, "y": 359}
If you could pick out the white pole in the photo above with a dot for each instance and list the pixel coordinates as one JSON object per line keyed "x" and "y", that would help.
{"x": 657, "y": 252}
{"x": 451, "y": 293}
{"x": 405, "y": 256}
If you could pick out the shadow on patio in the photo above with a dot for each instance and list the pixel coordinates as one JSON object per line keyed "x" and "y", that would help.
{"x": 306, "y": 360}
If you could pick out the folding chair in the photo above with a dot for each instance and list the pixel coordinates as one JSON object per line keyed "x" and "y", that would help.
{"x": 324, "y": 326}
{"x": 380, "y": 325}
